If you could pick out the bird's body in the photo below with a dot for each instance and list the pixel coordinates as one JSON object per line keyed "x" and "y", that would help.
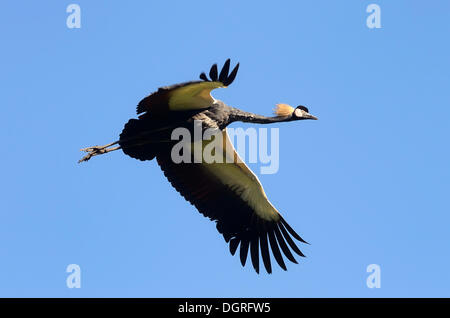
{"x": 225, "y": 190}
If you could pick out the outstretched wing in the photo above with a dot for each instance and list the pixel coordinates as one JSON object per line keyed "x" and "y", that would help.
{"x": 231, "y": 194}
{"x": 195, "y": 95}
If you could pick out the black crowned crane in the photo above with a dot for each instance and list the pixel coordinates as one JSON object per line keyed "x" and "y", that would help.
{"x": 226, "y": 192}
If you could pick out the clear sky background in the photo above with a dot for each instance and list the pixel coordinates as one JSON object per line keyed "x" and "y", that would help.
{"x": 366, "y": 184}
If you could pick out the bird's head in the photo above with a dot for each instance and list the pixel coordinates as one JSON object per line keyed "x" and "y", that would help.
{"x": 298, "y": 113}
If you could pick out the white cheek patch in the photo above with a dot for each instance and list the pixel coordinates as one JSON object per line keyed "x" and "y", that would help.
{"x": 298, "y": 112}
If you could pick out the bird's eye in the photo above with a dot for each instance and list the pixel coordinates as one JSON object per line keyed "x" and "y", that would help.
{"x": 303, "y": 108}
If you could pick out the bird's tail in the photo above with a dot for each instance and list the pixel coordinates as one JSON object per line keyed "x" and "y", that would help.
{"x": 138, "y": 141}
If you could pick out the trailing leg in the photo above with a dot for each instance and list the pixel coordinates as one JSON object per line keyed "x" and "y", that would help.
{"x": 98, "y": 150}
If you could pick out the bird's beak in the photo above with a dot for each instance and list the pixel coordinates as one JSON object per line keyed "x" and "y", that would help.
{"x": 309, "y": 116}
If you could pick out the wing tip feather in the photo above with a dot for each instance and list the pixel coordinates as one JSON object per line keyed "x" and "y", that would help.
{"x": 224, "y": 77}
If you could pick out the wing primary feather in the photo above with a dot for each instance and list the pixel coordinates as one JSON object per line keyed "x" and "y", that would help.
{"x": 232, "y": 75}
{"x": 224, "y": 72}
{"x": 291, "y": 230}
{"x": 244, "y": 251}
{"x": 213, "y": 73}
{"x": 283, "y": 245}
{"x": 204, "y": 77}
{"x": 234, "y": 243}
{"x": 265, "y": 251}
{"x": 290, "y": 241}
{"x": 227, "y": 237}
{"x": 275, "y": 250}
{"x": 254, "y": 247}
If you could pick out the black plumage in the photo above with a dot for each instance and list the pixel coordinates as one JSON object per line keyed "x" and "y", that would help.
{"x": 224, "y": 72}
{"x": 213, "y": 73}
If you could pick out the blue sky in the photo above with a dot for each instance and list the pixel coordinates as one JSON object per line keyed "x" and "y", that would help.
{"x": 366, "y": 184}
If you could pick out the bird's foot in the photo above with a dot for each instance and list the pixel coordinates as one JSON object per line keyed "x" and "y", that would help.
{"x": 97, "y": 150}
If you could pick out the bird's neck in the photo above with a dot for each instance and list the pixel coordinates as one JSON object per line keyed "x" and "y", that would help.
{"x": 246, "y": 117}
